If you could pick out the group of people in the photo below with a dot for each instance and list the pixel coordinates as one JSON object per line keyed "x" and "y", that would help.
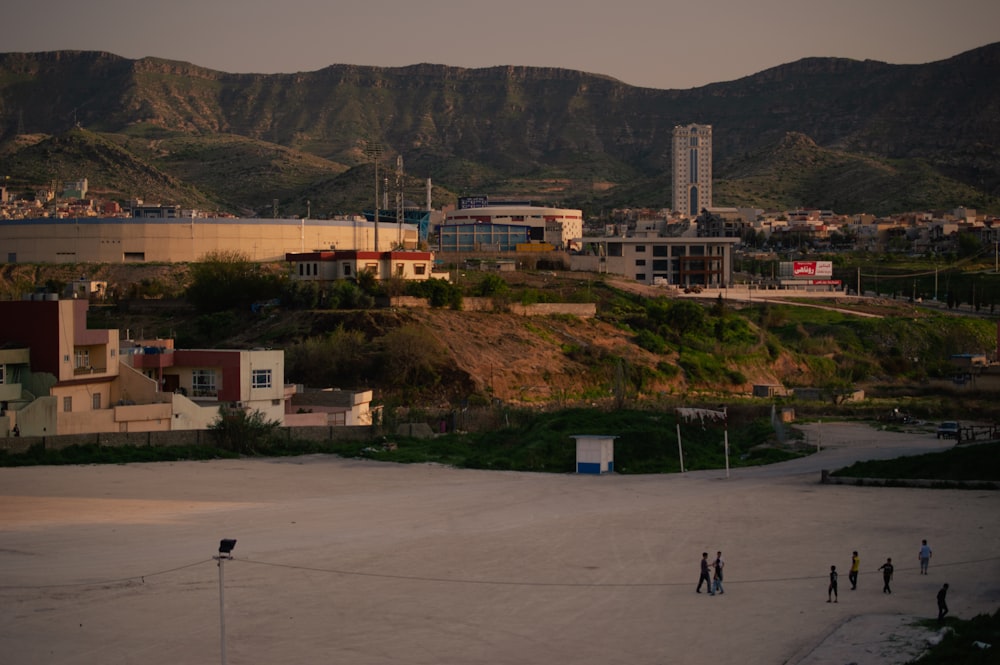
{"x": 711, "y": 574}
{"x": 887, "y": 569}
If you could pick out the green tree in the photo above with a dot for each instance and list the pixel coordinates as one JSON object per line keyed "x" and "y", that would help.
{"x": 411, "y": 356}
{"x": 684, "y": 318}
{"x": 491, "y": 285}
{"x": 230, "y": 280}
{"x": 341, "y": 358}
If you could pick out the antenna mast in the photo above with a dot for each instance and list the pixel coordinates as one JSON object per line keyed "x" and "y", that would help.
{"x": 399, "y": 200}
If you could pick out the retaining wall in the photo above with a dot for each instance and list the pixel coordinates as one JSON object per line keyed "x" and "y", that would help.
{"x": 20, "y": 444}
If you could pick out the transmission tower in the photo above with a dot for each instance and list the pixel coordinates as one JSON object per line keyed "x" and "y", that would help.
{"x": 374, "y": 150}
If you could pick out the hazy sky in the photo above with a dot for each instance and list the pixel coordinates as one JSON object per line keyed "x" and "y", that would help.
{"x": 655, "y": 43}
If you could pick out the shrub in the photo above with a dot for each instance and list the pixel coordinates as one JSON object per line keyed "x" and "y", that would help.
{"x": 242, "y": 431}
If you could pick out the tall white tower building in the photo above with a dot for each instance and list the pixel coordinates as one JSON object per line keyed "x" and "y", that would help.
{"x": 692, "y": 169}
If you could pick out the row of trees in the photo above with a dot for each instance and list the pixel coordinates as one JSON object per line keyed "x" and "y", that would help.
{"x": 231, "y": 281}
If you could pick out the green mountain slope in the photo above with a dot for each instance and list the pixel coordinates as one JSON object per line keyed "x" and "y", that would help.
{"x": 550, "y": 134}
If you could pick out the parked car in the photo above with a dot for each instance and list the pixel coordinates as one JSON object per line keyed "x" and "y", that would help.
{"x": 947, "y": 430}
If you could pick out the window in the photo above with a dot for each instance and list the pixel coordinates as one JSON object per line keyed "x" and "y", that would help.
{"x": 419, "y": 269}
{"x": 399, "y": 270}
{"x": 659, "y": 250}
{"x": 640, "y": 277}
{"x": 203, "y": 383}
{"x": 95, "y": 402}
{"x": 82, "y": 358}
{"x": 3, "y": 374}
{"x": 640, "y": 249}
{"x": 260, "y": 378}
{"x": 67, "y": 404}
{"x": 347, "y": 270}
{"x": 302, "y": 271}
{"x": 640, "y": 262}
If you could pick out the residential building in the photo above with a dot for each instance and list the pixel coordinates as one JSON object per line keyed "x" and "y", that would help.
{"x": 348, "y": 264}
{"x": 60, "y": 377}
{"x": 692, "y": 166}
{"x": 199, "y": 381}
{"x": 330, "y": 407}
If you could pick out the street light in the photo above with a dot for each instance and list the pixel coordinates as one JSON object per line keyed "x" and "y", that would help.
{"x": 725, "y": 420}
{"x": 226, "y": 546}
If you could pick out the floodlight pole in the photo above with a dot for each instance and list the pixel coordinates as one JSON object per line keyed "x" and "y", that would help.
{"x": 222, "y": 608}
{"x": 222, "y": 605}
{"x": 725, "y": 418}
{"x": 225, "y": 552}
{"x": 680, "y": 448}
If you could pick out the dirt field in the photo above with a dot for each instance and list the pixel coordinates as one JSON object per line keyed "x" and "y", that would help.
{"x": 369, "y": 563}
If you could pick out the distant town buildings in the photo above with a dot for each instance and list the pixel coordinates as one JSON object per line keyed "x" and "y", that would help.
{"x": 692, "y": 165}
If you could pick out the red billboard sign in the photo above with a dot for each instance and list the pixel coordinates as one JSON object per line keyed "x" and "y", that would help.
{"x": 812, "y": 268}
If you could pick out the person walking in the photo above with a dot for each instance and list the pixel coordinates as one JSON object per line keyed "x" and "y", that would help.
{"x": 705, "y": 578}
{"x": 942, "y": 601}
{"x": 925, "y": 557}
{"x": 831, "y": 591}
{"x": 717, "y": 576}
{"x": 886, "y": 569}
{"x": 855, "y": 568}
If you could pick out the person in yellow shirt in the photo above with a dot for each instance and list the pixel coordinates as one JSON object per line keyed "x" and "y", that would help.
{"x": 855, "y": 567}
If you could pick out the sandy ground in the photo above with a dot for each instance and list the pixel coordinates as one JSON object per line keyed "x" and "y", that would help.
{"x": 361, "y": 562}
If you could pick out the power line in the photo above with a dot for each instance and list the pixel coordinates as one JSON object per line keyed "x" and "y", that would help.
{"x": 119, "y": 580}
{"x": 454, "y": 580}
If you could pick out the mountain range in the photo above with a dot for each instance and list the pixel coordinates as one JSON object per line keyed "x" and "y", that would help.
{"x": 851, "y": 136}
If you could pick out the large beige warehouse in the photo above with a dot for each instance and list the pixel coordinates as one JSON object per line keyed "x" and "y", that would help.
{"x": 162, "y": 240}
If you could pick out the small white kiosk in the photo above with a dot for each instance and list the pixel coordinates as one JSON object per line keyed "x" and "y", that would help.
{"x": 595, "y": 453}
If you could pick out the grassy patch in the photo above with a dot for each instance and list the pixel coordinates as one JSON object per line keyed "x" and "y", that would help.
{"x": 646, "y": 443}
{"x": 961, "y": 644}
{"x": 963, "y": 463}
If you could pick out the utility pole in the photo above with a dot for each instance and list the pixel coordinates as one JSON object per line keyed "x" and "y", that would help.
{"x": 374, "y": 150}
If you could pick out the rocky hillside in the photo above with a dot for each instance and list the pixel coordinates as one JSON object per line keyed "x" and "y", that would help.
{"x": 548, "y": 134}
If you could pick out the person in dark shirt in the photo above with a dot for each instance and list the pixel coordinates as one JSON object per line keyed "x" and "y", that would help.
{"x": 831, "y": 591}
{"x": 886, "y": 569}
{"x": 705, "y": 577}
{"x": 942, "y": 602}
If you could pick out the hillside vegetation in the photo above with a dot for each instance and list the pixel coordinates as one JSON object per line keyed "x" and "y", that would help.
{"x": 639, "y": 348}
